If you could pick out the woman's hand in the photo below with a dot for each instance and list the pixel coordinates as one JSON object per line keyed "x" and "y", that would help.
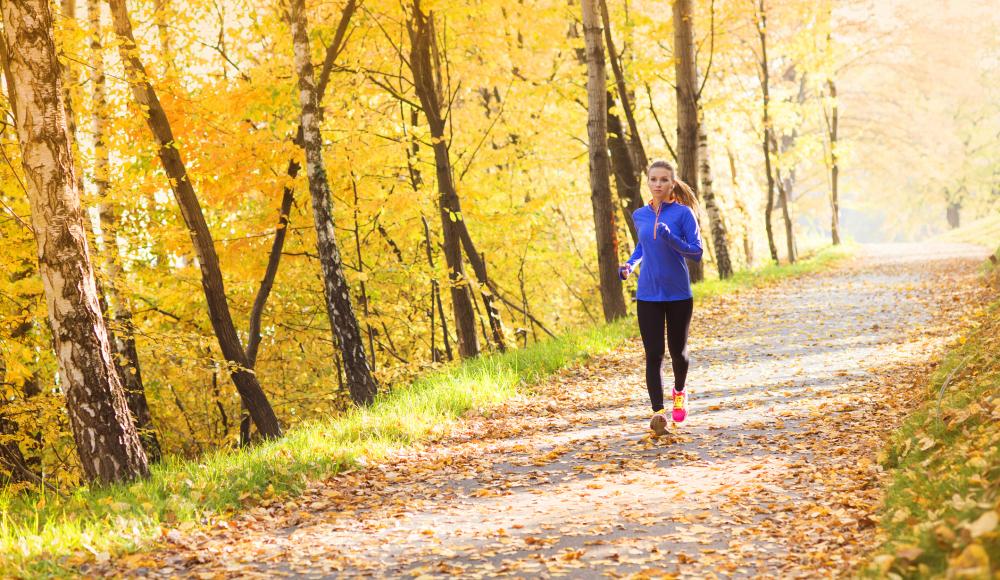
{"x": 624, "y": 271}
{"x": 662, "y": 228}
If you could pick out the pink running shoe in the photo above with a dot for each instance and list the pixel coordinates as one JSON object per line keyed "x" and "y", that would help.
{"x": 680, "y": 406}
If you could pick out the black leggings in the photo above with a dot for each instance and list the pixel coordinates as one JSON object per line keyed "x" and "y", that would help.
{"x": 652, "y": 316}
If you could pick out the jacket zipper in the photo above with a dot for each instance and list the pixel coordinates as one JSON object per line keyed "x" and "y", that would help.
{"x": 657, "y": 219}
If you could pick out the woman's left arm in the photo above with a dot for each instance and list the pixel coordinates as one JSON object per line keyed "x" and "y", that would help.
{"x": 688, "y": 244}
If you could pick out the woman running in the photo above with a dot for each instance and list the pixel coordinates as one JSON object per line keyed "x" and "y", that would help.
{"x": 668, "y": 234}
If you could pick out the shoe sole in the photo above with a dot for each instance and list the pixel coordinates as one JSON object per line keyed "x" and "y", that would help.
{"x": 658, "y": 424}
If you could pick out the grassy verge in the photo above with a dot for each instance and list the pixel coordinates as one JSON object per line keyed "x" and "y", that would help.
{"x": 43, "y": 535}
{"x": 984, "y": 231}
{"x": 942, "y": 504}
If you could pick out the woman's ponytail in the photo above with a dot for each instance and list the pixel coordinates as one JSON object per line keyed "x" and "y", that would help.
{"x": 685, "y": 195}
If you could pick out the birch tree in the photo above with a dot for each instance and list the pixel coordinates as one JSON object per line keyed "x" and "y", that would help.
{"x": 106, "y": 440}
{"x": 343, "y": 321}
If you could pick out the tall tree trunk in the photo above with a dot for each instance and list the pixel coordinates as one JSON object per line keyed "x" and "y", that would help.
{"x": 211, "y": 275}
{"x": 416, "y": 179}
{"x": 628, "y": 155}
{"x": 784, "y": 199}
{"x": 478, "y": 263}
{"x": 343, "y": 321}
{"x": 436, "y": 297}
{"x": 266, "y": 284}
{"x": 768, "y": 133}
{"x": 287, "y": 198}
{"x": 953, "y": 214}
{"x": 426, "y": 81}
{"x": 106, "y": 439}
{"x": 119, "y": 309}
{"x": 685, "y": 67}
{"x": 786, "y": 183}
{"x": 834, "y": 165}
{"x": 720, "y": 236}
{"x": 637, "y": 150}
{"x": 627, "y": 179}
{"x": 612, "y": 298}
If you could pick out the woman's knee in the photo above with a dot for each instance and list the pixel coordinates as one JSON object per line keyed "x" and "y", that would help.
{"x": 655, "y": 356}
{"x": 680, "y": 355}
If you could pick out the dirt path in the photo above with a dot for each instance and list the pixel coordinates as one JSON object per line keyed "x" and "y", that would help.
{"x": 793, "y": 388}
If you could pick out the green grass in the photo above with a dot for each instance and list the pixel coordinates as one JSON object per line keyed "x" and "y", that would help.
{"x": 945, "y": 468}
{"x": 984, "y": 231}
{"x": 45, "y": 535}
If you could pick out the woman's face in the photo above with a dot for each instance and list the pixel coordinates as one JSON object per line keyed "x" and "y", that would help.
{"x": 661, "y": 181}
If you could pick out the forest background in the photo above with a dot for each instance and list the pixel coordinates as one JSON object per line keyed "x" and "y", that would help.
{"x": 894, "y": 105}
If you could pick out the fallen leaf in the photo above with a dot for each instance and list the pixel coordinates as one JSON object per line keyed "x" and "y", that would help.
{"x": 984, "y": 524}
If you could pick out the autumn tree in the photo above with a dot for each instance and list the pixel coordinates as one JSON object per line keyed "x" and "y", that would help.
{"x": 425, "y": 67}
{"x": 106, "y": 440}
{"x": 686, "y": 72}
{"x": 831, "y": 117}
{"x": 719, "y": 233}
{"x": 767, "y": 140}
{"x": 339, "y": 309}
{"x": 717, "y": 224}
{"x": 211, "y": 274}
{"x": 605, "y": 229}
{"x": 118, "y": 307}
{"x": 628, "y": 155}
{"x": 785, "y": 180}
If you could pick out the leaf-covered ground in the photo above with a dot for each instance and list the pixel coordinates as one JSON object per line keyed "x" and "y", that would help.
{"x": 794, "y": 389}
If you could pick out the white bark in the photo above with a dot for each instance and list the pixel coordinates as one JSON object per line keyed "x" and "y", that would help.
{"x": 102, "y": 427}
{"x": 343, "y": 321}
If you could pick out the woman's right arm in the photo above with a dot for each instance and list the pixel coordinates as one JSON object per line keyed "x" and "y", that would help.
{"x": 636, "y": 257}
{"x": 627, "y": 267}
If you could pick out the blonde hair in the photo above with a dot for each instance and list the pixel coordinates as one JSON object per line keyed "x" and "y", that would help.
{"x": 681, "y": 192}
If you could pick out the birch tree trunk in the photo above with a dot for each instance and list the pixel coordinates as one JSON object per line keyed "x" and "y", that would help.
{"x": 106, "y": 440}
{"x": 687, "y": 106}
{"x": 118, "y": 307}
{"x": 612, "y": 299}
{"x": 343, "y": 321}
{"x": 211, "y": 274}
{"x": 720, "y": 236}
{"x": 834, "y": 165}
{"x": 422, "y": 37}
